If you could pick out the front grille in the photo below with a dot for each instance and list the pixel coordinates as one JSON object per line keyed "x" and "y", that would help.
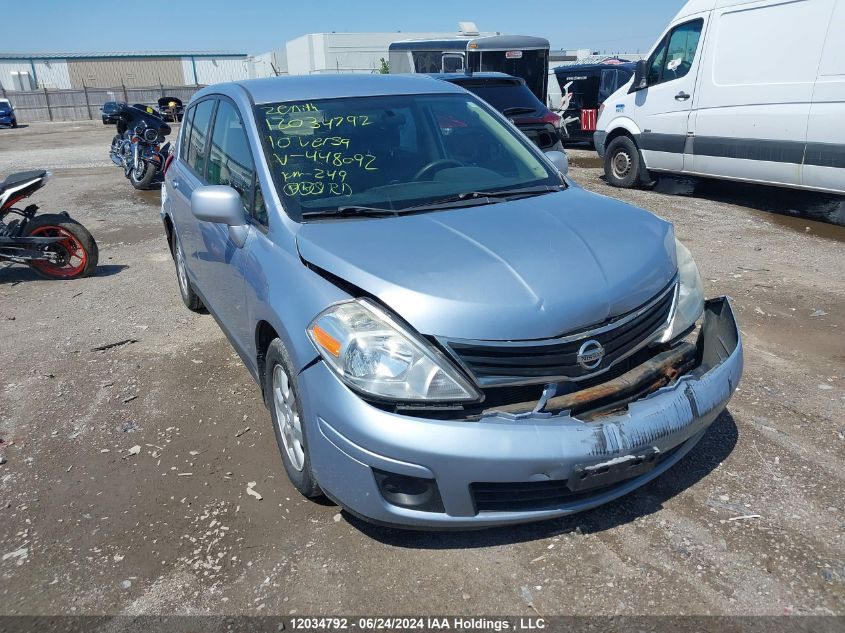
{"x": 525, "y": 496}
{"x": 502, "y": 363}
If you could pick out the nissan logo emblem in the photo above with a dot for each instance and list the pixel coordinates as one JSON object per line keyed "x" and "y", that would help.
{"x": 590, "y": 354}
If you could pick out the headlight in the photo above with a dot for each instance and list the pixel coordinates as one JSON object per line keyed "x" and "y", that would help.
{"x": 374, "y": 354}
{"x": 690, "y": 295}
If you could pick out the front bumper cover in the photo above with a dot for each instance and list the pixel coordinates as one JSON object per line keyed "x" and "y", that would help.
{"x": 348, "y": 438}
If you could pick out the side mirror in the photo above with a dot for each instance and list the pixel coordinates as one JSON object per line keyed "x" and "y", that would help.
{"x": 221, "y": 204}
{"x": 640, "y": 77}
{"x": 559, "y": 160}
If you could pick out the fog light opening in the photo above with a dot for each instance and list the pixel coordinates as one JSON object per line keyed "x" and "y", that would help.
{"x": 414, "y": 493}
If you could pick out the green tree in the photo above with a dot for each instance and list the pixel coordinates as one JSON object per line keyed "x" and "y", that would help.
{"x": 385, "y": 66}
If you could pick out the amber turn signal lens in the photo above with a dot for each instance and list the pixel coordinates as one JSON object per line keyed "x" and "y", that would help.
{"x": 327, "y": 341}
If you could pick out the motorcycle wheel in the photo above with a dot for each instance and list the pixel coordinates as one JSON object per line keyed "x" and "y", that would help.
{"x": 142, "y": 175}
{"x": 78, "y": 250}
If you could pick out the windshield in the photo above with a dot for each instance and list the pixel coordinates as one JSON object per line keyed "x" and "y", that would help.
{"x": 392, "y": 152}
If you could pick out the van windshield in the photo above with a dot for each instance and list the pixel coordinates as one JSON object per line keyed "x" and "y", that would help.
{"x": 392, "y": 152}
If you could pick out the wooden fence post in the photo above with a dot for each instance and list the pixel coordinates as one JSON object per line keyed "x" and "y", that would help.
{"x": 47, "y": 102}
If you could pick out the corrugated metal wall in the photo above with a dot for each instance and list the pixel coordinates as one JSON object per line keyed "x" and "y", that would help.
{"x": 48, "y": 74}
{"x": 132, "y": 72}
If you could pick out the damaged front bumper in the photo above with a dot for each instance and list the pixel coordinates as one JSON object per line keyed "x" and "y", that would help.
{"x": 509, "y": 468}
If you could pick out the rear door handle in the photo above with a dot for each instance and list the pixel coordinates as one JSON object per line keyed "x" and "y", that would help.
{"x": 681, "y": 96}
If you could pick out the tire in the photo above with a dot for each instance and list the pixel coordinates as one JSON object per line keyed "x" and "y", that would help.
{"x": 623, "y": 163}
{"x": 282, "y": 396}
{"x": 14, "y": 123}
{"x": 78, "y": 250}
{"x": 142, "y": 182}
{"x": 186, "y": 290}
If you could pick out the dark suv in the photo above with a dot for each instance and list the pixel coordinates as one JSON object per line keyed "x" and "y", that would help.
{"x": 512, "y": 97}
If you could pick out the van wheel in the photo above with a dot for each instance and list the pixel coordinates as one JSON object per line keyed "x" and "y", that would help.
{"x": 282, "y": 395}
{"x": 622, "y": 163}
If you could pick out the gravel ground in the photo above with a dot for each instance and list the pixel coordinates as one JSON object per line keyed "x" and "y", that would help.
{"x": 751, "y": 522}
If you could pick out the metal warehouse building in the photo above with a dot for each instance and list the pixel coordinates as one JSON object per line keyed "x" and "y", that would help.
{"x": 32, "y": 71}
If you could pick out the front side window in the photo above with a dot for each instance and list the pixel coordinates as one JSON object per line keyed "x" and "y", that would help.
{"x": 392, "y": 152}
{"x": 675, "y": 54}
{"x": 655, "y": 63}
{"x": 230, "y": 159}
{"x": 681, "y": 50}
{"x": 199, "y": 136}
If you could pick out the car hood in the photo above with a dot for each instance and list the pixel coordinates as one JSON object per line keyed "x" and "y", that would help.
{"x": 526, "y": 269}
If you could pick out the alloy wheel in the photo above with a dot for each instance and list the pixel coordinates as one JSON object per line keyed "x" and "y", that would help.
{"x": 287, "y": 418}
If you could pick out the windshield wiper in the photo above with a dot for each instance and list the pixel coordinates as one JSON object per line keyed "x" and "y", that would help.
{"x": 509, "y": 193}
{"x": 464, "y": 199}
{"x": 350, "y": 211}
{"x": 478, "y": 198}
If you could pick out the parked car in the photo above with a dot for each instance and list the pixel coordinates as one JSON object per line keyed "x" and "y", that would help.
{"x": 447, "y": 332}
{"x": 583, "y": 88}
{"x": 720, "y": 96}
{"x": 511, "y": 96}
{"x": 110, "y": 111}
{"x": 7, "y": 114}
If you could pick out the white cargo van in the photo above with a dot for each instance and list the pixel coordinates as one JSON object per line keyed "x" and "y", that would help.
{"x": 749, "y": 90}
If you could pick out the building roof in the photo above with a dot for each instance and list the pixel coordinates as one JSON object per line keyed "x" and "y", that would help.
{"x": 122, "y": 54}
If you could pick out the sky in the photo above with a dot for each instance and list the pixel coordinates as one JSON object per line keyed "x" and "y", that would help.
{"x": 257, "y": 26}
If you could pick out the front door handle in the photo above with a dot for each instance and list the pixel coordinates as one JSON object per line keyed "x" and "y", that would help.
{"x": 681, "y": 96}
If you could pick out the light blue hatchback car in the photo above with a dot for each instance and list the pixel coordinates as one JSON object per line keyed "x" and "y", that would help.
{"x": 446, "y": 330}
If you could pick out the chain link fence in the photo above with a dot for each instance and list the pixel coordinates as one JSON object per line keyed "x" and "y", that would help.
{"x": 84, "y": 103}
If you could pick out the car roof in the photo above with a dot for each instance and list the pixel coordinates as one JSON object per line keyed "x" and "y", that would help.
{"x": 576, "y": 68}
{"x": 457, "y": 78}
{"x": 306, "y": 87}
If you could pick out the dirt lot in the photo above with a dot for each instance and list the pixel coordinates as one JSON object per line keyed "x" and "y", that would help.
{"x": 751, "y": 522}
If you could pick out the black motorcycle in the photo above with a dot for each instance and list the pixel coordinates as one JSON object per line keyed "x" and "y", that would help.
{"x": 54, "y": 245}
{"x": 139, "y": 146}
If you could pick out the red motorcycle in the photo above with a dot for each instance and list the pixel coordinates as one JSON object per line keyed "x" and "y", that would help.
{"x": 54, "y": 245}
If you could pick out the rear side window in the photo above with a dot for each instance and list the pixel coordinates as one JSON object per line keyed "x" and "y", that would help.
{"x": 230, "y": 159}
{"x": 197, "y": 143}
{"x": 187, "y": 124}
{"x": 607, "y": 85}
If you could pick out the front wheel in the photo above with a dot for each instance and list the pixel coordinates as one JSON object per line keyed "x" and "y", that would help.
{"x": 142, "y": 174}
{"x": 622, "y": 163}
{"x": 76, "y": 253}
{"x": 282, "y": 393}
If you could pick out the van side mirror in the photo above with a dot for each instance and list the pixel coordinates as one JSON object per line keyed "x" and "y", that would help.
{"x": 559, "y": 160}
{"x": 221, "y": 204}
{"x": 640, "y": 77}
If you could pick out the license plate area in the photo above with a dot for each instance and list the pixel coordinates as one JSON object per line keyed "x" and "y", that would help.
{"x": 613, "y": 471}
